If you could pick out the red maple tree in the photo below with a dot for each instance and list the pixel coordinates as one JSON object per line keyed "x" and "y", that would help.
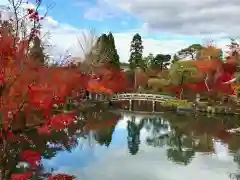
{"x": 29, "y": 90}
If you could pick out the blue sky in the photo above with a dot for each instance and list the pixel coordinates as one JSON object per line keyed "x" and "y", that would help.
{"x": 88, "y": 14}
{"x": 83, "y": 15}
{"x": 161, "y": 33}
{"x": 101, "y": 17}
{"x": 84, "y": 155}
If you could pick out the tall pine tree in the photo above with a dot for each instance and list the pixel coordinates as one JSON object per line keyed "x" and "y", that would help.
{"x": 136, "y": 51}
{"x": 114, "y": 57}
{"x": 108, "y": 51}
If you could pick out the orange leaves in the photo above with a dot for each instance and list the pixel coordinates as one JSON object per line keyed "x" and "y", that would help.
{"x": 110, "y": 81}
{"x": 207, "y": 65}
{"x": 113, "y": 79}
{"x": 98, "y": 87}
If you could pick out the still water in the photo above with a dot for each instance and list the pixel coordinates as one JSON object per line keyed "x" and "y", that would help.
{"x": 127, "y": 146}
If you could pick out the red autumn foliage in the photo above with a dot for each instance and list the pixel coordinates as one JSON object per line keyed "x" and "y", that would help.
{"x": 10, "y": 136}
{"x": 28, "y": 85}
{"x": 44, "y": 130}
{"x": 60, "y": 121}
{"x": 61, "y": 177}
{"x": 207, "y": 65}
{"x": 57, "y": 122}
{"x": 111, "y": 80}
{"x": 28, "y": 90}
{"x": 219, "y": 73}
{"x": 22, "y": 176}
{"x": 31, "y": 157}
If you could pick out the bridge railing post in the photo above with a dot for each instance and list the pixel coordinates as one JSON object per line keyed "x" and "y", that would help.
{"x": 153, "y": 106}
{"x": 130, "y": 105}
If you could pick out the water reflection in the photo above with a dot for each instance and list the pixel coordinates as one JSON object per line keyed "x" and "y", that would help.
{"x": 130, "y": 146}
{"x": 133, "y": 138}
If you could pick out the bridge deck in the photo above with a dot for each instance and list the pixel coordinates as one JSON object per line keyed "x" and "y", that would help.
{"x": 142, "y": 97}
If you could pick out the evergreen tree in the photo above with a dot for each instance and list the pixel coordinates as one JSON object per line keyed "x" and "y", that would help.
{"x": 175, "y": 59}
{"x": 102, "y": 43}
{"x": 147, "y": 61}
{"x": 161, "y": 61}
{"x": 108, "y": 51}
{"x": 114, "y": 57}
{"x": 136, "y": 51}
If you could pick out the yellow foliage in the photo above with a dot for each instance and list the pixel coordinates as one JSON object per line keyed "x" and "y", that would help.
{"x": 236, "y": 87}
{"x": 207, "y": 53}
{"x": 157, "y": 84}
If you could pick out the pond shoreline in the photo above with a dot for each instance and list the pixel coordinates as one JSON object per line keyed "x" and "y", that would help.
{"x": 206, "y": 109}
{"x": 104, "y": 105}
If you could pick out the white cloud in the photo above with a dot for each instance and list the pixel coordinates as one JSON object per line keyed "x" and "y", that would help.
{"x": 151, "y": 163}
{"x": 186, "y": 17}
{"x": 100, "y": 11}
{"x": 64, "y": 37}
{"x": 95, "y": 13}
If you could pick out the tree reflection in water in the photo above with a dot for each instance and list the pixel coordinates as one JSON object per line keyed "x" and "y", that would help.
{"x": 48, "y": 145}
{"x": 181, "y": 136}
{"x": 133, "y": 138}
{"x": 180, "y": 147}
{"x": 159, "y": 130}
{"x": 30, "y": 141}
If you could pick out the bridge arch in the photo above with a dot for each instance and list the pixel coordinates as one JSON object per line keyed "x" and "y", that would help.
{"x": 141, "y": 97}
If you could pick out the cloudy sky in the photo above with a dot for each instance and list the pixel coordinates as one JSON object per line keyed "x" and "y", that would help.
{"x": 165, "y": 25}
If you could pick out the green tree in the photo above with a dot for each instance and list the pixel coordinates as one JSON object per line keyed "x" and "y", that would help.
{"x": 108, "y": 51}
{"x": 114, "y": 57}
{"x": 234, "y": 49}
{"x": 136, "y": 51}
{"x": 148, "y": 60}
{"x": 161, "y": 61}
{"x": 191, "y": 51}
{"x": 133, "y": 137}
{"x": 175, "y": 59}
{"x": 176, "y": 145}
{"x": 104, "y": 136}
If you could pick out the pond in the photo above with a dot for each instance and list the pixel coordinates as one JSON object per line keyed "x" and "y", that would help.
{"x": 128, "y": 146}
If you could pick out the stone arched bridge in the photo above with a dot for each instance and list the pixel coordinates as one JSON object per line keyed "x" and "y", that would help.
{"x": 141, "y": 97}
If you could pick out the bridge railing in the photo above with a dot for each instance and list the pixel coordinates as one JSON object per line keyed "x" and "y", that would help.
{"x": 141, "y": 96}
